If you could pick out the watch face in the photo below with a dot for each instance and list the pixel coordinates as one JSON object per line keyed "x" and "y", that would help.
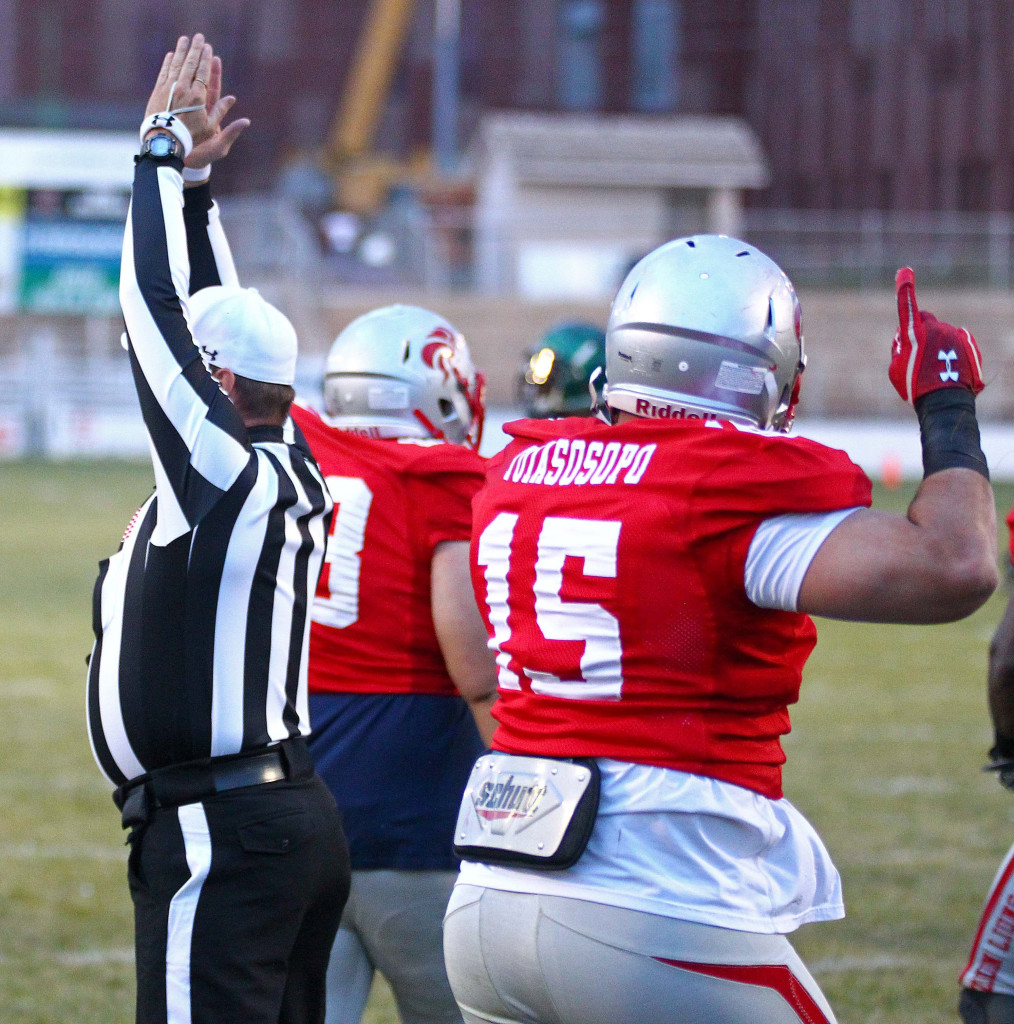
{"x": 160, "y": 145}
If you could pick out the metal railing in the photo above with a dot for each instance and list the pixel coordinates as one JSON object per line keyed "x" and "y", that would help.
{"x": 438, "y": 249}
{"x": 863, "y": 249}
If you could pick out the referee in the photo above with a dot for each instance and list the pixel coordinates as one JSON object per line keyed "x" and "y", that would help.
{"x": 197, "y": 682}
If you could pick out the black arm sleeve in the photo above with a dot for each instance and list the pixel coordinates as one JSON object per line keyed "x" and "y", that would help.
{"x": 203, "y": 268}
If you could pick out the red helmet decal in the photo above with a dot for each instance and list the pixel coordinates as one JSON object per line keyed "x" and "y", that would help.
{"x": 443, "y": 333}
{"x": 437, "y": 354}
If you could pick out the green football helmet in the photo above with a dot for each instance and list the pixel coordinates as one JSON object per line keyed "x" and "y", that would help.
{"x": 553, "y": 380}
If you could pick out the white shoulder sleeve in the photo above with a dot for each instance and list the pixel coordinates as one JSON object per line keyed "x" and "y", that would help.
{"x": 780, "y": 553}
{"x": 220, "y": 247}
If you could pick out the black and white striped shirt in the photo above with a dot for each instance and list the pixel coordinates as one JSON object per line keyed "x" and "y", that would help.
{"x": 201, "y": 618}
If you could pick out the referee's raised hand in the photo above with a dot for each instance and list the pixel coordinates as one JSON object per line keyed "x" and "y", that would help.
{"x": 181, "y": 88}
{"x": 217, "y": 106}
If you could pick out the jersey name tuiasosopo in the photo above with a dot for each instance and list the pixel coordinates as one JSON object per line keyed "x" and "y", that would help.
{"x": 567, "y": 461}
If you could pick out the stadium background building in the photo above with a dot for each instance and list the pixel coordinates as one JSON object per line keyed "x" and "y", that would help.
{"x": 858, "y": 104}
{"x": 843, "y": 137}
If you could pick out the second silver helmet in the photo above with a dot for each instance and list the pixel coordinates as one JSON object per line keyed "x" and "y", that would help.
{"x": 404, "y": 371}
{"x": 706, "y": 327}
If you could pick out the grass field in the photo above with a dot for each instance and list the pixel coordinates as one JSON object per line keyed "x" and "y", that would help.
{"x": 884, "y": 759}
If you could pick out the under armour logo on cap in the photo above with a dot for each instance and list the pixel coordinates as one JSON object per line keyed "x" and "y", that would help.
{"x": 237, "y": 330}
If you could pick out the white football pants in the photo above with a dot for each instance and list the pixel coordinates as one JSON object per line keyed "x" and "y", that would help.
{"x": 391, "y": 924}
{"x": 518, "y": 958}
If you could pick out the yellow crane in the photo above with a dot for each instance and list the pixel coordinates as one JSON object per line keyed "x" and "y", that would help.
{"x": 364, "y": 176}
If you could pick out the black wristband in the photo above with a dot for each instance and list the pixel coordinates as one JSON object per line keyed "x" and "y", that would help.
{"x": 197, "y": 202}
{"x": 950, "y": 431}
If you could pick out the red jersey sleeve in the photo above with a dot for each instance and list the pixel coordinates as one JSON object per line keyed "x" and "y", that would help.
{"x": 783, "y": 475}
{"x": 1010, "y": 527}
{"x": 766, "y": 476}
{"x": 441, "y": 488}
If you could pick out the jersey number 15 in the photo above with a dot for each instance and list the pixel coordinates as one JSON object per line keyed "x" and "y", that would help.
{"x": 597, "y": 675}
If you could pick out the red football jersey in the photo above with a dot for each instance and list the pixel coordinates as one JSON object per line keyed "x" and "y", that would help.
{"x": 609, "y": 565}
{"x": 394, "y": 501}
{"x": 1010, "y": 527}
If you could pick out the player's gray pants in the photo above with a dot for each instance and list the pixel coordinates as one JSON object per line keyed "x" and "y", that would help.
{"x": 516, "y": 958}
{"x": 391, "y": 923}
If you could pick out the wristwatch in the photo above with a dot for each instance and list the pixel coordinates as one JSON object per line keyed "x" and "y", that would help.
{"x": 162, "y": 146}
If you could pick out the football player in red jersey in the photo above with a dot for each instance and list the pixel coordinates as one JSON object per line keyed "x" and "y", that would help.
{"x": 629, "y": 855}
{"x": 987, "y": 982}
{"x": 396, "y": 643}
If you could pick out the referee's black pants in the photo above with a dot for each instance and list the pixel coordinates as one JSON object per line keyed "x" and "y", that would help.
{"x": 237, "y": 900}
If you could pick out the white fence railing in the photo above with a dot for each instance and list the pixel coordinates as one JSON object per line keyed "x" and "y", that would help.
{"x": 408, "y": 244}
{"x": 865, "y": 248}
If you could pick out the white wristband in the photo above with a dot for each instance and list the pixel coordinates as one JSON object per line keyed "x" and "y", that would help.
{"x": 173, "y": 125}
{"x": 193, "y": 174}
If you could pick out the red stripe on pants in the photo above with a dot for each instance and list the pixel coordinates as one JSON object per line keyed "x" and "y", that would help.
{"x": 775, "y": 976}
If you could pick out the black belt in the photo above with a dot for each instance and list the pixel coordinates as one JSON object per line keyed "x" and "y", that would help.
{"x": 194, "y": 781}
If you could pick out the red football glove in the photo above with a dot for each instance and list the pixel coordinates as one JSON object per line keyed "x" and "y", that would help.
{"x": 928, "y": 354}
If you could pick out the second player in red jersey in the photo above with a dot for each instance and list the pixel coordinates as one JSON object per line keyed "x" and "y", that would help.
{"x": 397, "y": 642}
{"x": 987, "y": 980}
{"x": 395, "y": 501}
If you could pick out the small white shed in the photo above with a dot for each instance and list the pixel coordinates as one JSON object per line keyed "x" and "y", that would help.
{"x": 566, "y": 202}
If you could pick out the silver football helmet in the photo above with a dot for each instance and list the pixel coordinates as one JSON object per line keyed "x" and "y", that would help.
{"x": 403, "y": 371}
{"x": 706, "y": 327}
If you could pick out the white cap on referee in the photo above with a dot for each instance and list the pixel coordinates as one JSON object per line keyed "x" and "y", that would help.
{"x": 236, "y": 329}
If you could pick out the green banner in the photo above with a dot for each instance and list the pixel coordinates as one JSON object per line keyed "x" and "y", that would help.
{"x": 63, "y": 287}
{"x": 70, "y": 257}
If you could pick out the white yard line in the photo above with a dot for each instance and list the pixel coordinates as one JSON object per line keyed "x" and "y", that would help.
{"x": 916, "y": 857}
{"x": 82, "y": 958}
{"x": 94, "y": 957}
{"x": 61, "y": 851}
{"x": 827, "y": 965}
{"x": 871, "y": 962}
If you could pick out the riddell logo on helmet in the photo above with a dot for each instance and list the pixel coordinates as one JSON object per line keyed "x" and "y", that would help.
{"x": 373, "y": 432}
{"x": 669, "y": 412}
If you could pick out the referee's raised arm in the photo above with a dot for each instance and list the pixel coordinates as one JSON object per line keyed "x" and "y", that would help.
{"x": 199, "y": 442}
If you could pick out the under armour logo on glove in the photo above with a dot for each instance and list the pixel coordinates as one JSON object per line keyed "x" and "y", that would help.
{"x": 948, "y": 358}
{"x": 914, "y": 372}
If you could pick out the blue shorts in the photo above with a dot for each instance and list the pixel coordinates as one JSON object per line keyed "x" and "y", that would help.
{"x": 397, "y": 765}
